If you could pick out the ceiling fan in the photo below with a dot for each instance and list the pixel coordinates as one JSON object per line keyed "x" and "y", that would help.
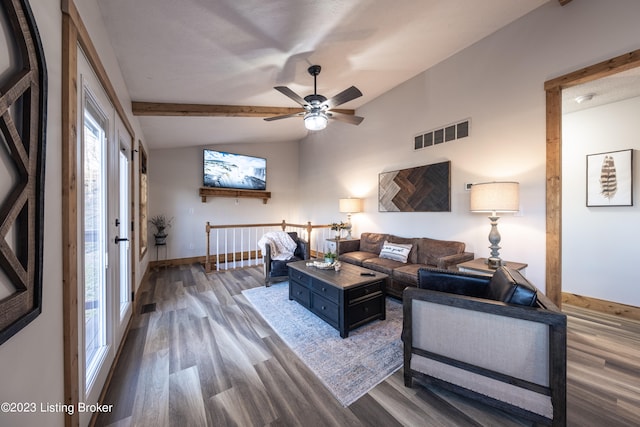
{"x": 318, "y": 109}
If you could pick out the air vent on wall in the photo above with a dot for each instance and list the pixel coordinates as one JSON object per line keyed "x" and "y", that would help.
{"x": 442, "y": 134}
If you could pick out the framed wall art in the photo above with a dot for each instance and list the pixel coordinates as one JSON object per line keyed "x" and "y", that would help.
{"x": 610, "y": 179}
{"x": 419, "y": 189}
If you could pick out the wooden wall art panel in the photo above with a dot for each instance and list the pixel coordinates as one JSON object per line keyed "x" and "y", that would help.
{"x": 23, "y": 88}
{"x": 419, "y": 189}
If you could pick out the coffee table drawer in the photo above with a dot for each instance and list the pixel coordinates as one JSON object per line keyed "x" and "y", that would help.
{"x": 299, "y": 293}
{"x": 364, "y": 291}
{"x": 299, "y": 277}
{"x": 329, "y": 292}
{"x": 325, "y": 309}
{"x": 365, "y": 311}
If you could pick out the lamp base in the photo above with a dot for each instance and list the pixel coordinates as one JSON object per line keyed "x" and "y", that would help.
{"x": 494, "y": 262}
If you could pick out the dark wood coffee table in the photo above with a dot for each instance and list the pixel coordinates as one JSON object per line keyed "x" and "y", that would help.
{"x": 344, "y": 299}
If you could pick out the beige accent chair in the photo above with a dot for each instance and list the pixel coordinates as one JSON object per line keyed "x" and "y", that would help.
{"x": 509, "y": 353}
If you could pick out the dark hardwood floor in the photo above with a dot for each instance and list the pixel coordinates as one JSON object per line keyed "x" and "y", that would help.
{"x": 197, "y": 354}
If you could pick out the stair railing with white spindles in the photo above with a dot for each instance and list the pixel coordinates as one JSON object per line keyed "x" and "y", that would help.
{"x": 236, "y": 245}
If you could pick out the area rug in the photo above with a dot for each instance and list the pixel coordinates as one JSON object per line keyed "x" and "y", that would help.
{"x": 348, "y": 367}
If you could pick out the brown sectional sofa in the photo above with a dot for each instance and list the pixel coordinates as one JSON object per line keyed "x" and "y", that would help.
{"x": 424, "y": 252}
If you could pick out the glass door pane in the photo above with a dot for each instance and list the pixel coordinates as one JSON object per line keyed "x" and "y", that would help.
{"x": 124, "y": 231}
{"x": 95, "y": 236}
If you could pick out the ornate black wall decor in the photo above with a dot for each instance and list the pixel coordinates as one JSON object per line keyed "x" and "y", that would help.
{"x": 23, "y": 101}
{"x": 420, "y": 189}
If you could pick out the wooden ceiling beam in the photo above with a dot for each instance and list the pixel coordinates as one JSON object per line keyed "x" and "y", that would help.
{"x": 206, "y": 110}
{"x": 563, "y": 2}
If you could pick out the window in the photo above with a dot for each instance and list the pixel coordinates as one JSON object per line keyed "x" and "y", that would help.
{"x": 94, "y": 263}
{"x": 143, "y": 200}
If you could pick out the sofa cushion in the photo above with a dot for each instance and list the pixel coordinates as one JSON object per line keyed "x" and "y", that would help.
{"x": 510, "y": 286}
{"x": 407, "y": 273}
{"x": 413, "y": 254}
{"x": 396, "y": 251}
{"x": 356, "y": 257}
{"x": 429, "y": 250}
{"x": 372, "y": 242}
{"x": 383, "y": 265}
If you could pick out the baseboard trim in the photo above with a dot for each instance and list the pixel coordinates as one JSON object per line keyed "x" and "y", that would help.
{"x": 177, "y": 261}
{"x": 239, "y": 257}
{"x": 603, "y": 306}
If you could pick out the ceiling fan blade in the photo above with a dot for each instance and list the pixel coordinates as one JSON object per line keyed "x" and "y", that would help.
{"x": 347, "y": 118}
{"x": 286, "y": 116}
{"x": 344, "y": 96}
{"x": 291, "y": 94}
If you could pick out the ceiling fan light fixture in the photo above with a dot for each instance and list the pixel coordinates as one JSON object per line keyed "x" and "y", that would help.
{"x": 318, "y": 108}
{"x": 315, "y": 120}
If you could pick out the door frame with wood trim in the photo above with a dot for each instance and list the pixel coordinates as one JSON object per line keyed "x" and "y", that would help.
{"x": 74, "y": 35}
{"x": 553, "y": 90}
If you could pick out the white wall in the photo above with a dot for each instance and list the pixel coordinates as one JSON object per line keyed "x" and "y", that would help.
{"x": 175, "y": 176}
{"x": 600, "y": 246}
{"x": 498, "y": 82}
{"x": 31, "y": 362}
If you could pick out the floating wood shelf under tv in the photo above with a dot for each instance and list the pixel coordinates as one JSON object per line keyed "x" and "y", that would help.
{"x": 233, "y": 193}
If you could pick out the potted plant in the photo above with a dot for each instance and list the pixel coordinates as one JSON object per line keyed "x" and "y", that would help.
{"x": 338, "y": 227}
{"x": 160, "y": 222}
{"x": 330, "y": 257}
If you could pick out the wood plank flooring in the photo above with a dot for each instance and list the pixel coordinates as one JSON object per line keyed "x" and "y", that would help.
{"x": 603, "y": 369}
{"x": 197, "y": 354}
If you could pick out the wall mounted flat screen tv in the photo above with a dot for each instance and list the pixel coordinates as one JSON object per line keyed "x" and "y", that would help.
{"x": 228, "y": 170}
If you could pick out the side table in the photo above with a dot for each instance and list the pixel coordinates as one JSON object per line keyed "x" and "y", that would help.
{"x": 337, "y": 243}
{"x": 479, "y": 266}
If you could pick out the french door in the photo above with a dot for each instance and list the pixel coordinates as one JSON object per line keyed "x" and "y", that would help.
{"x": 123, "y": 226}
{"x": 104, "y": 202}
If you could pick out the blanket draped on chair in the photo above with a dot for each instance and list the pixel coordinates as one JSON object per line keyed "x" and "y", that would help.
{"x": 281, "y": 244}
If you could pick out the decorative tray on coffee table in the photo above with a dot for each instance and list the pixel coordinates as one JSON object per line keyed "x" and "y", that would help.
{"x": 321, "y": 265}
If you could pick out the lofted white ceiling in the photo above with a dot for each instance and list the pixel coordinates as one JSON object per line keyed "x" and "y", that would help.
{"x": 233, "y": 52}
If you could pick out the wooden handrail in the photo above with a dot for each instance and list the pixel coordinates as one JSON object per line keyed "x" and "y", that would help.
{"x": 271, "y": 224}
{"x": 283, "y": 224}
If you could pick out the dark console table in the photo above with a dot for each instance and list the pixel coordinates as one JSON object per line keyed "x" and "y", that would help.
{"x": 344, "y": 299}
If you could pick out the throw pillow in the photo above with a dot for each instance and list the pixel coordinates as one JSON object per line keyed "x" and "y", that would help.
{"x": 395, "y": 251}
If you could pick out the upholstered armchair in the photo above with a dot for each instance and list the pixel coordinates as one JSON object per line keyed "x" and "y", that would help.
{"x": 276, "y": 269}
{"x": 496, "y": 339}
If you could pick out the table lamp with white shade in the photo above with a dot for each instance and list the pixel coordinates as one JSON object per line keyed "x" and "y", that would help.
{"x": 495, "y": 197}
{"x": 350, "y": 206}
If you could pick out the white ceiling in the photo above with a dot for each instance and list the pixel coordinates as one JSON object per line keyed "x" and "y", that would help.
{"x": 606, "y": 90}
{"x": 232, "y": 52}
